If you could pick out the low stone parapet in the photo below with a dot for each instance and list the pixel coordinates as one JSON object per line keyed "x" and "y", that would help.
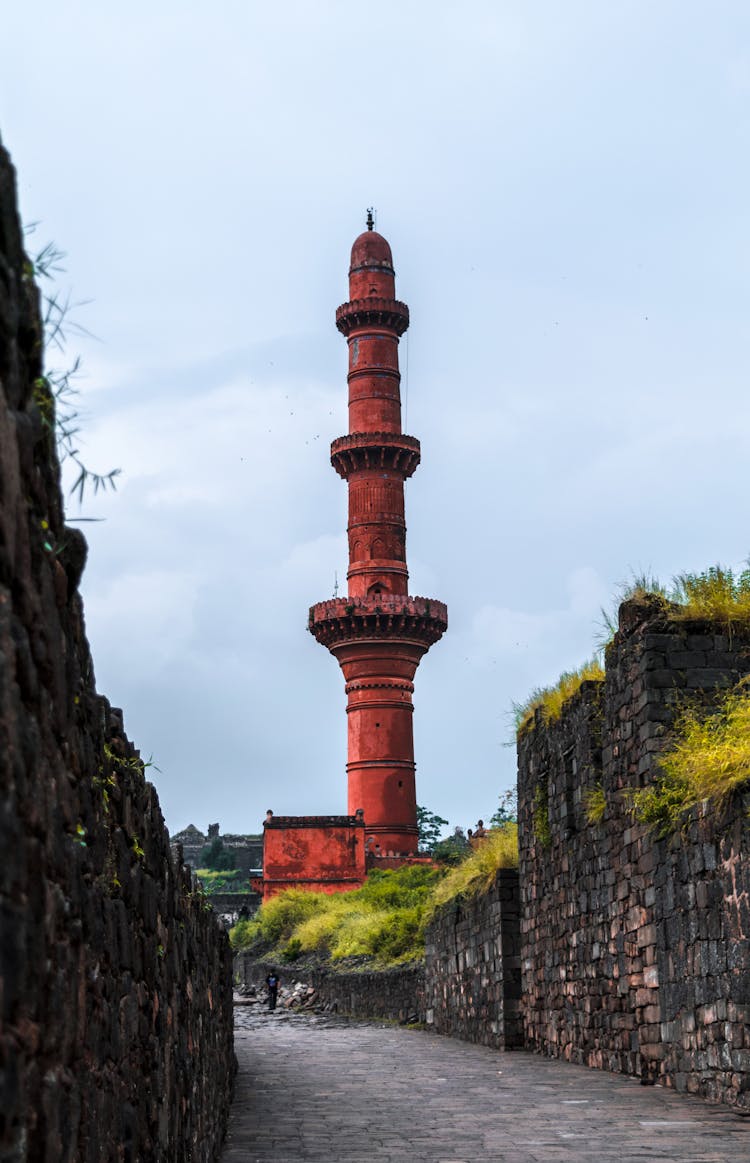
{"x": 395, "y": 995}
{"x": 473, "y": 967}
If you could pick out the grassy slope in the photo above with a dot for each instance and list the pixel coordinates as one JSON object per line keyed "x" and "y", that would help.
{"x": 384, "y": 921}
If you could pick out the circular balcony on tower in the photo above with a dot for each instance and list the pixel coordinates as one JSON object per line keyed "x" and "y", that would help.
{"x": 387, "y": 450}
{"x": 390, "y": 314}
{"x": 382, "y": 615}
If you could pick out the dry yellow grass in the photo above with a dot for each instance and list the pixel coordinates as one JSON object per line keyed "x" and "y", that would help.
{"x": 708, "y": 758}
{"x": 595, "y": 804}
{"x": 552, "y": 699}
{"x": 718, "y": 594}
{"x": 477, "y": 872}
{"x": 383, "y": 920}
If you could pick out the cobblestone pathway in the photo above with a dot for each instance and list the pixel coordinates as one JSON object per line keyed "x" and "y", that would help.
{"x": 318, "y": 1088}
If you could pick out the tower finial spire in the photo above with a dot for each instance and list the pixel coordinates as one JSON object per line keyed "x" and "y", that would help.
{"x": 370, "y": 218}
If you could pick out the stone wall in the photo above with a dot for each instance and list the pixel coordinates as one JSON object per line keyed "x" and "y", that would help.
{"x": 248, "y": 849}
{"x": 636, "y": 951}
{"x": 115, "y": 981}
{"x": 468, "y": 988}
{"x": 473, "y": 967}
{"x": 230, "y": 907}
{"x": 395, "y": 995}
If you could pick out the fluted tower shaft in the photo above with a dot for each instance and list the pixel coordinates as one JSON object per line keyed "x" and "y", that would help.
{"x": 378, "y": 634}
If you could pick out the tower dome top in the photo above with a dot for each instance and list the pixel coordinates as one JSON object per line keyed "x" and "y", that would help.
{"x": 371, "y": 250}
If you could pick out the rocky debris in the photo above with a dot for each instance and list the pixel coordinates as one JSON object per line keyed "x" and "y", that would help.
{"x": 298, "y": 996}
{"x": 302, "y": 997}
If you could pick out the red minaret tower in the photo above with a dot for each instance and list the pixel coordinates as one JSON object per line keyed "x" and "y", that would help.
{"x": 378, "y": 634}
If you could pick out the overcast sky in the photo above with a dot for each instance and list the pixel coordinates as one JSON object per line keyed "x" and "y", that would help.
{"x": 565, "y": 189}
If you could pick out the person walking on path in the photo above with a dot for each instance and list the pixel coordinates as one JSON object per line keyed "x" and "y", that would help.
{"x": 272, "y": 982}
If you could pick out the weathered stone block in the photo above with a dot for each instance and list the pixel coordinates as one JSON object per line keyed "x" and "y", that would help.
{"x": 84, "y": 978}
{"x": 673, "y": 916}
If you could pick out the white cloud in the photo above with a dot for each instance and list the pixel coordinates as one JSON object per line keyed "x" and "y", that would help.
{"x": 529, "y": 639}
{"x": 571, "y": 248}
{"x": 146, "y": 618}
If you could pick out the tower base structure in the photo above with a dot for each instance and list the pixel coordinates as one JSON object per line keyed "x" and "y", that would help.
{"x": 322, "y": 854}
{"x": 316, "y": 853}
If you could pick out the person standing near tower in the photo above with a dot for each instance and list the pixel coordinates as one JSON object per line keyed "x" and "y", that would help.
{"x": 272, "y": 982}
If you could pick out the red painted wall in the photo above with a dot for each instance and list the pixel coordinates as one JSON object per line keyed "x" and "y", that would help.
{"x": 319, "y": 853}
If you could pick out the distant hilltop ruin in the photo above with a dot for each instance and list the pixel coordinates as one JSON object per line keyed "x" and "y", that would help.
{"x": 247, "y": 850}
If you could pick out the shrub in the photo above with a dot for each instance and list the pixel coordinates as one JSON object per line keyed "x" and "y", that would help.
{"x": 394, "y": 936}
{"x": 279, "y": 917}
{"x": 594, "y": 804}
{"x": 213, "y": 881}
{"x": 402, "y": 937}
{"x": 507, "y": 810}
{"x": 398, "y": 888}
{"x": 292, "y": 950}
{"x": 243, "y": 934}
{"x": 215, "y": 856}
{"x": 540, "y": 814}
{"x": 317, "y": 932}
{"x": 389, "y": 936}
{"x": 708, "y": 758}
{"x": 357, "y": 931}
{"x": 452, "y": 850}
{"x": 430, "y": 825}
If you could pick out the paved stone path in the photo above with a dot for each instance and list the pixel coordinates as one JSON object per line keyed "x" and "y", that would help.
{"x": 319, "y": 1088}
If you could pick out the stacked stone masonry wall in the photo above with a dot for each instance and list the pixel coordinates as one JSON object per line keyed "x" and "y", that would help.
{"x": 230, "y": 906}
{"x": 469, "y": 987}
{"x": 247, "y": 850}
{"x": 635, "y": 950}
{"x": 395, "y": 995}
{"x": 473, "y": 967}
{"x": 115, "y": 979}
